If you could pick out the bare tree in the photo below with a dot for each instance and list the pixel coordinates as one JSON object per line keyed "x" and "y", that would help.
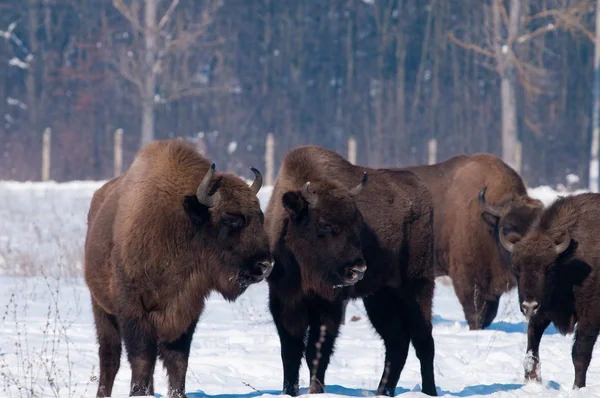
{"x": 509, "y": 29}
{"x": 156, "y": 59}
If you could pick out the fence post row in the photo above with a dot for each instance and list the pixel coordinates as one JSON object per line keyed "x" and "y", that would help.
{"x": 46, "y": 154}
{"x": 269, "y": 159}
{"x": 118, "y": 152}
{"x": 432, "y": 151}
{"x": 352, "y": 150}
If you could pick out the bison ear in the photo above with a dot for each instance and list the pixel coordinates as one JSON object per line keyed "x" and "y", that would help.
{"x": 295, "y": 204}
{"x": 197, "y": 212}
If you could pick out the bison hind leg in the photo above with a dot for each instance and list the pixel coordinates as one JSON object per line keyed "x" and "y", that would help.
{"x": 384, "y": 311}
{"x": 109, "y": 348}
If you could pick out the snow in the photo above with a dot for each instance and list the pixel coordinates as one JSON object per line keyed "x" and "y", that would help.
{"x": 14, "y": 61}
{"x": 47, "y": 336}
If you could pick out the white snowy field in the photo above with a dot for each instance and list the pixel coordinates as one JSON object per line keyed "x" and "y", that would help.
{"x": 47, "y": 337}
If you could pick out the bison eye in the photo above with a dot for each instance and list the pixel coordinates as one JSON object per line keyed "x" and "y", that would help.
{"x": 324, "y": 228}
{"x": 236, "y": 222}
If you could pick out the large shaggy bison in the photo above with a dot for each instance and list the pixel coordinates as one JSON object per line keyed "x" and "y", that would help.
{"x": 334, "y": 237}
{"x": 557, "y": 265}
{"x": 160, "y": 238}
{"x": 474, "y": 196}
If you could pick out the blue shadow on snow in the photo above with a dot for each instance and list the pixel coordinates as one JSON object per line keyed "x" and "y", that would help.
{"x": 501, "y": 326}
{"x": 480, "y": 389}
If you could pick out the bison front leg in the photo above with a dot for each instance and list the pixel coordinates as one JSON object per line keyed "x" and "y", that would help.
{"x": 141, "y": 346}
{"x": 291, "y": 324}
{"x": 384, "y": 310}
{"x": 417, "y": 305}
{"x": 585, "y": 338}
{"x": 535, "y": 330}
{"x": 175, "y": 356}
{"x": 324, "y": 329}
{"x": 109, "y": 349}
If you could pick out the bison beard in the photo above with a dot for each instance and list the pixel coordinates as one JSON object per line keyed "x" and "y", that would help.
{"x": 388, "y": 222}
{"x": 556, "y": 264}
{"x": 160, "y": 238}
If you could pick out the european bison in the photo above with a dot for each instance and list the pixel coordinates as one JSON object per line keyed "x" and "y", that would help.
{"x": 160, "y": 238}
{"x": 557, "y": 265}
{"x": 474, "y": 196}
{"x": 335, "y": 237}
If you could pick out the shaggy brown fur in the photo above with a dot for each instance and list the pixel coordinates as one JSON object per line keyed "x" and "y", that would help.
{"x": 160, "y": 238}
{"x": 321, "y": 235}
{"x": 557, "y": 264}
{"x": 466, "y": 228}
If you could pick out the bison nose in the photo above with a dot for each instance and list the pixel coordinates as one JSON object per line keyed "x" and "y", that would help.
{"x": 355, "y": 273}
{"x": 265, "y": 267}
{"x": 530, "y": 308}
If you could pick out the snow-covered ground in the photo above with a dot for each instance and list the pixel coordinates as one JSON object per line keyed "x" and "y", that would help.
{"x": 48, "y": 348}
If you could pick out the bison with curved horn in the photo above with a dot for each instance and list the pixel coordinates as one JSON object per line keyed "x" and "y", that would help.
{"x": 557, "y": 266}
{"x": 334, "y": 236}
{"x": 160, "y": 238}
{"x": 476, "y": 195}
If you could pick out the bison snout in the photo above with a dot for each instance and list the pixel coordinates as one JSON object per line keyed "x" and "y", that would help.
{"x": 354, "y": 273}
{"x": 259, "y": 270}
{"x": 530, "y": 308}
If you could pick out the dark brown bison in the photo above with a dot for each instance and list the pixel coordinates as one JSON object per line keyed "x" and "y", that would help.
{"x": 474, "y": 196}
{"x": 334, "y": 237}
{"x": 557, "y": 265}
{"x": 160, "y": 238}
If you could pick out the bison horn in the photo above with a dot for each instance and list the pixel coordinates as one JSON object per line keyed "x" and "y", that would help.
{"x": 258, "y": 181}
{"x": 357, "y": 189}
{"x": 491, "y": 210}
{"x": 202, "y": 191}
{"x": 509, "y": 246}
{"x": 564, "y": 245}
{"x": 310, "y": 197}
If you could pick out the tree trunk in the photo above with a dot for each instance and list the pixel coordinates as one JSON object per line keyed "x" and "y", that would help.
{"x": 31, "y": 73}
{"x": 593, "y": 172}
{"x": 149, "y": 78}
{"x": 506, "y": 67}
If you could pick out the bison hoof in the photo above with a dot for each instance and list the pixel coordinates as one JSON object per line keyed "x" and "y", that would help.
{"x": 291, "y": 390}
{"x": 316, "y": 388}
{"x": 532, "y": 378}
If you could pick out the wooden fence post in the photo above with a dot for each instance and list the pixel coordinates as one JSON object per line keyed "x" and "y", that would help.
{"x": 352, "y": 150}
{"x": 269, "y": 159}
{"x": 518, "y": 156}
{"x": 432, "y": 151}
{"x": 118, "y": 152}
{"x": 46, "y": 154}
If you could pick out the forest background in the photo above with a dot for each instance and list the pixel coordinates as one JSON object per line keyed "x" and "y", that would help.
{"x": 510, "y": 77}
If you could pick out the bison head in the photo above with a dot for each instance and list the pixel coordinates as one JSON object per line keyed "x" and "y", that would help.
{"x": 229, "y": 231}
{"x": 323, "y": 234}
{"x": 513, "y": 216}
{"x": 534, "y": 261}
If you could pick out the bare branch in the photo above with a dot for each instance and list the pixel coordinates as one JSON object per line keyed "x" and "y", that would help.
{"x": 128, "y": 14}
{"x": 536, "y": 33}
{"x": 128, "y": 67}
{"x": 182, "y": 91}
{"x": 536, "y": 130}
{"x": 168, "y": 14}
{"x": 469, "y": 46}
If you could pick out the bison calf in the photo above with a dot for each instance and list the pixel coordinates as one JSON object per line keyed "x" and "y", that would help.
{"x": 160, "y": 238}
{"x": 334, "y": 237}
{"x": 474, "y": 196}
{"x": 557, "y": 266}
